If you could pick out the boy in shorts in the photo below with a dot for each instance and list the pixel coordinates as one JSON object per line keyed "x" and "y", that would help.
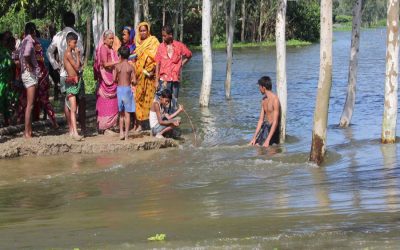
{"x": 73, "y": 84}
{"x": 124, "y": 75}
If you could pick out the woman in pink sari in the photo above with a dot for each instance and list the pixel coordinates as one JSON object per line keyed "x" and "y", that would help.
{"x": 107, "y": 103}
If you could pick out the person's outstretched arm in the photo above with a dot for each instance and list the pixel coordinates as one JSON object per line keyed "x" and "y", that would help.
{"x": 180, "y": 109}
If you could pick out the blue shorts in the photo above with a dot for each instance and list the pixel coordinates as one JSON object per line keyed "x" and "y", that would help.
{"x": 126, "y": 102}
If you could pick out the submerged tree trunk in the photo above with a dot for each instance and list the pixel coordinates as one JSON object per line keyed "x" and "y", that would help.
{"x": 111, "y": 12}
{"x": 280, "y": 32}
{"x": 392, "y": 69}
{"x": 229, "y": 50}
{"x": 181, "y": 24}
{"x": 136, "y": 6}
{"x": 146, "y": 10}
{"x": 242, "y": 35}
{"x": 105, "y": 14}
{"x": 88, "y": 42}
{"x": 318, "y": 145}
{"x": 353, "y": 67}
{"x": 207, "y": 54}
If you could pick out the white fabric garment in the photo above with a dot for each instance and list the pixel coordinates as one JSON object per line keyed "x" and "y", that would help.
{"x": 59, "y": 42}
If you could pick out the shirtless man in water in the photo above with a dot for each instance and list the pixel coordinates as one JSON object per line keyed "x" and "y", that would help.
{"x": 267, "y": 131}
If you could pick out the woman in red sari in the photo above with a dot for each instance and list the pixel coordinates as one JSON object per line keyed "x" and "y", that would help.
{"x": 107, "y": 103}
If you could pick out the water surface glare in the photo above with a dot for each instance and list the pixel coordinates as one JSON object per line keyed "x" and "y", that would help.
{"x": 225, "y": 194}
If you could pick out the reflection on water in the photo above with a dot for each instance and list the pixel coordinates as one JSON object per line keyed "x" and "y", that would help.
{"x": 225, "y": 194}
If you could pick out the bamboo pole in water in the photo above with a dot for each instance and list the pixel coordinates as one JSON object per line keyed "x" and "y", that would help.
{"x": 207, "y": 54}
{"x": 392, "y": 69}
{"x": 318, "y": 145}
{"x": 347, "y": 113}
{"x": 229, "y": 49}
{"x": 280, "y": 32}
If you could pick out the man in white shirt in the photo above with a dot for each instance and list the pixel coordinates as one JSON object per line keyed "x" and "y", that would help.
{"x": 59, "y": 45}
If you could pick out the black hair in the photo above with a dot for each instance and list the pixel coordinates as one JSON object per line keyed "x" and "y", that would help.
{"x": 166, "y": 93}
{"x": 37, "y": 33}
{"x": 69, "y": 19}
{"x": 124, "y": 51}
{"x": 71, "y": 36}
{"x": 30, "y": 28}
{"x": 168, "y": 29}
{"x": 265, "y": 82}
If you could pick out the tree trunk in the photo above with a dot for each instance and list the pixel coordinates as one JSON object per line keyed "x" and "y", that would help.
{"x": 226, "y": 9}
{"x": 136, "y": 6}
{"x": 352, "y": 79}
{"x": 242, "y": 35}
{"x": 181, "y": 24}
{"x": 97, "y": 26}
{"x": 280, "y": 32}
{"x": 229, "y": 50}
{"x": 260, "y": 24}
{"x": 207, "y": 54}
{"x": 111, "y": 12}
{"x": 318, "y": 145}
{"x": 176, "y": 25}
{"x": 105, "y": 14}
{"x": 146, "y": 10}
{"x": 392, "y": 69}
{"x": 88, "y": 42}
{"x": 163, "y": 13}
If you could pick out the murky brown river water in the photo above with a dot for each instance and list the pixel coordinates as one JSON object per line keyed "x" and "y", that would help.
{"x": 225, "y": 194}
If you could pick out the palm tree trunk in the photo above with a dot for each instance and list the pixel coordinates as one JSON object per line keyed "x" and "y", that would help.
{"x": 229, "y": 50}
{"x": 352, "y": 80}
{"x": 163, "y": 13}
{"x": 318, "y": 145}
{"x": 242, "y": 35}
{"x": 280, "y": 32}
{"x": 392, "y": 70}
{"x": 260, "y": 24}
{"x": 207, "y": 54}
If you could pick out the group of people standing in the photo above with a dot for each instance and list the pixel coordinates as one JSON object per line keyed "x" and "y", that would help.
{"x": 133, "y": 74}
{"x": 156, "y": 67}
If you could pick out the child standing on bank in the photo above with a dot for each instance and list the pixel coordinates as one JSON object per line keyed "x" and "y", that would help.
{"x": 124, "y": 75}
{"x": 72, "y": 64}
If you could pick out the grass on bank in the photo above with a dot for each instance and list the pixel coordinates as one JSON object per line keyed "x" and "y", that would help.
{"x": 222, "y": 45}
{"x": 347, "y": 26}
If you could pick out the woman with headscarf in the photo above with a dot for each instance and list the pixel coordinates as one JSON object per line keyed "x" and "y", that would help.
{"x": 145, "y": 65}
{"x": 107, "y": 104}
{"x": 128, "y": 40}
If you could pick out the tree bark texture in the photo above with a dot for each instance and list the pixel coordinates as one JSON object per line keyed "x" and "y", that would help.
{"x": 97, "y": 26}
{"x": 163, "y": 13}
{"x": 318, "y": 144}
{"x": 347, "y": 113}
{"x": 207, "y": 53}
{"x": 229, "y": 49}
{"x": 88, "y": 42}
{"x": 260, "y": 24}
{"x": 392, "y": 70}
{"x": 182, "y": 20}
{"x": 280, "y": 32}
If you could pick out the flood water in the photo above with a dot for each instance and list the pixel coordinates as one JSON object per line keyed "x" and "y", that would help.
{"x": 225, "y": 194}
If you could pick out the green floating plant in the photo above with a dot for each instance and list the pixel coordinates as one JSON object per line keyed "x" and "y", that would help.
{"x": 157, "y": 237}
